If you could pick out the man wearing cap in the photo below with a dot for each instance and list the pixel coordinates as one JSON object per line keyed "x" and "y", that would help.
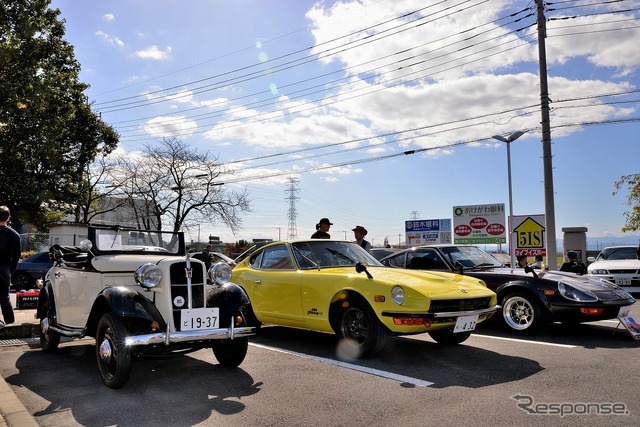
{"x": 359, "y": 232}
{"x": 573, "y": 265}
{"x": 322, "y": 228}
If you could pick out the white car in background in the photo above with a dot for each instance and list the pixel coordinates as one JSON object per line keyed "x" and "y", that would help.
{"x": 618, "y": 264}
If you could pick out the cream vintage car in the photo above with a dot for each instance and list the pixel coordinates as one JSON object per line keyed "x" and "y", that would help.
{"x": 138, "y": 293}
{"x": 338, "y": 287}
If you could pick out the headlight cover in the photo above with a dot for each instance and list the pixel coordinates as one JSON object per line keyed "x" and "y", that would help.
{"x": 148, "y": 275}
{"x": 220, "y": 273}
{"x": 574, "y": 294}
{"x": 397, "y": 295}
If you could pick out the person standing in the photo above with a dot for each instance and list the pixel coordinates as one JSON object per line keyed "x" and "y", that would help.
{"x": 539, "y": 264}
{"x": 521, "y": 261}
{"x": 9, "y": 255}
{"x": 322, "y": 229}
{"x": 573, "y": 265}
{"x": 359, "y": 232}
{"x": 206, "y": 256}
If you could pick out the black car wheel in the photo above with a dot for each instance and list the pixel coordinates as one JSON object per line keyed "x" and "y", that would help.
{"x": 114, "y": 357}
{"x": 231, "y": 353}
{"x": 446, "y": 336}
{"x": 522, "y": 313}
{"x": 359, "y": 325}
{"x": 49, "y": 339}
{"x": 21, "y": 281}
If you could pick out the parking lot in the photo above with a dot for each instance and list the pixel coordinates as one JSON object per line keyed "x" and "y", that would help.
{"x": 585, "y": 375}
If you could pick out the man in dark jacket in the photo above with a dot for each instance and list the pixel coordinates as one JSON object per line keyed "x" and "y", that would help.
{"x": 9, "y": 256}
{"x": 573, "y": 265}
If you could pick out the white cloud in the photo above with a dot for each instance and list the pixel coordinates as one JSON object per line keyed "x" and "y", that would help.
{"x": 168, "y": 126}
{"x": 108, "y": 17}
{"x": 113, "y": 40}
{"x": 154, "y": 53}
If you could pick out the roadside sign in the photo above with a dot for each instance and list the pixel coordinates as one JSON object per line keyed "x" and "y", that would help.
{"x": 530, "y": 235}
{"x": 475, "y": 224}
{"x": 427, "y": 231}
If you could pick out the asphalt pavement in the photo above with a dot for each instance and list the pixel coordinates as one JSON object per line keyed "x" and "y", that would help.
{"x": 23, "y": 330}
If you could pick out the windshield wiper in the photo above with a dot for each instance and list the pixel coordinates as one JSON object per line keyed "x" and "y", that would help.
{"x": 340, "y": 255}
{"x": 484, "y": 265}
{"x": 313, "y": 263}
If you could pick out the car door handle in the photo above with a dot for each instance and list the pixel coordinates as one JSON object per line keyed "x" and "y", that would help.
{"x": 257, "y": 282}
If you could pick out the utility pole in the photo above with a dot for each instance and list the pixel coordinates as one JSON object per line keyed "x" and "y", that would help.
{"x": 547, "y": 158}
{"x": 292, "y": 231}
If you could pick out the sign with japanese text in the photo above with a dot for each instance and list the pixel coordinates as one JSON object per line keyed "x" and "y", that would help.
{"x": 475, "y": 224}
{"x": 529, "y": 235}
{"x": 427, "y": 231}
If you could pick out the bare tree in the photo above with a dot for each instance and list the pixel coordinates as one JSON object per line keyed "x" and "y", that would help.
{"x": 93, "y": 197}
{"x": 174, "y": 184}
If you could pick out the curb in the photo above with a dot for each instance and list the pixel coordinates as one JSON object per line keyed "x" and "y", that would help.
{"x": 24, "y": 330}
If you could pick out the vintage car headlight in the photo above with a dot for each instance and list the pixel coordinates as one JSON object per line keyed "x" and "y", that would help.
{"x": 220, "y": 273}
{"x": 599, "y": 271}
{"x": 575, "y": 294}
{"x": 397, "y": 295}
{"x": 148, "y": 275}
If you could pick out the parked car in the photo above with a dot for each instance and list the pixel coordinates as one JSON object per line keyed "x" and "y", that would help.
{"x": 29, "y": 270}
{"x": 379, "y": 253}
{"x": 338, "y": 287}
{"x": 529, "y": 298}
{"x": 137, "y": 301}
{"x": 617, "y": 264}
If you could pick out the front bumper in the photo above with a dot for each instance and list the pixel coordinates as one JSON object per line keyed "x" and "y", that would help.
{"x": 187, "y": 336}
{"x": 444, "y": 314}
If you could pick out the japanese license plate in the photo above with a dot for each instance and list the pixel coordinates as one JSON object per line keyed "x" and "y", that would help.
{"x": 623, "y": 281}
{"x": 199, "y": 318}
{"x": 465, "y": 324}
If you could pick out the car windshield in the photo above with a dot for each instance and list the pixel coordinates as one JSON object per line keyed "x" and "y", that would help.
{"x": 618, "y": 253}
{"x": 470, "y": 257}
{"x": 326, "y": 253}
{"x": 136, "y": 241}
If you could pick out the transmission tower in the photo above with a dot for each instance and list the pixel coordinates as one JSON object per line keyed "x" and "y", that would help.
{"x": 292, "y": 231}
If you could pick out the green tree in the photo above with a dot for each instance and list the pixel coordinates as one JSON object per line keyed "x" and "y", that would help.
{"x": 632, "y": 182}
{"x": 48, "y": 132}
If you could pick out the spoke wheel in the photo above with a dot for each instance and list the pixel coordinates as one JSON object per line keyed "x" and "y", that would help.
{"x": 114, "y": 358}
{"x": 522, "y": 313}
{"x": 360, "y": 326}
{"x": 49, "y": 339}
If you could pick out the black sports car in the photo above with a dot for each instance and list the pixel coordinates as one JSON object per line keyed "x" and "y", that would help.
{"x": 529, "y": 298}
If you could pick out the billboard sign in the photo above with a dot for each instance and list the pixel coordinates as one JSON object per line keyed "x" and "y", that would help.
{"x": 530, "y": 235}
{"x": 479, "y": 224}
{"x": 427, "y": 231}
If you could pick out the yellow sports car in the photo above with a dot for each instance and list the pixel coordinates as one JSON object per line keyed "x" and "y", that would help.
{"x": 338, "y": 287}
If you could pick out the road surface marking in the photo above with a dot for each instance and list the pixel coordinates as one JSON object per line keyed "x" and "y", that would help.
{"x": 364, "y": 369}
{"x": 525, "y": 341}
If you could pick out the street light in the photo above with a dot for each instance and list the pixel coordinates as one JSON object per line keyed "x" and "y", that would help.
{"x": 508, "y": 141}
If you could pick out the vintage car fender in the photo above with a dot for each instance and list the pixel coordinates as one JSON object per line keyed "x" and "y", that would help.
{"x": 229, "y": 298}
{"x": 522, "y": 286}
{"x": 125, "y": 302}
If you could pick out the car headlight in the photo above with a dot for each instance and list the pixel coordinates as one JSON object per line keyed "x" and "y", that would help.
{"x": 148, "y": 275}
{"x": 397, "y": 295}
{"x": 598, "y": 271}
{"x": 574, "y": 294}
{"x": 220, "y": 273}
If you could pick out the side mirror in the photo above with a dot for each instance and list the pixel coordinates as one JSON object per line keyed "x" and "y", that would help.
{"x": 360, "y": 267}
{"x": 86, "y": 245}
{"x": 529, "y": 269}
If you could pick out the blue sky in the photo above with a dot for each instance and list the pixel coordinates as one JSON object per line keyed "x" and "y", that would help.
{"x": 340, "y": 89}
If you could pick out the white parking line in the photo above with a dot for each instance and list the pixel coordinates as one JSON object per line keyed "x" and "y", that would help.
{"x": 376, "y": 372}
{"x": 525, "y": 341}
